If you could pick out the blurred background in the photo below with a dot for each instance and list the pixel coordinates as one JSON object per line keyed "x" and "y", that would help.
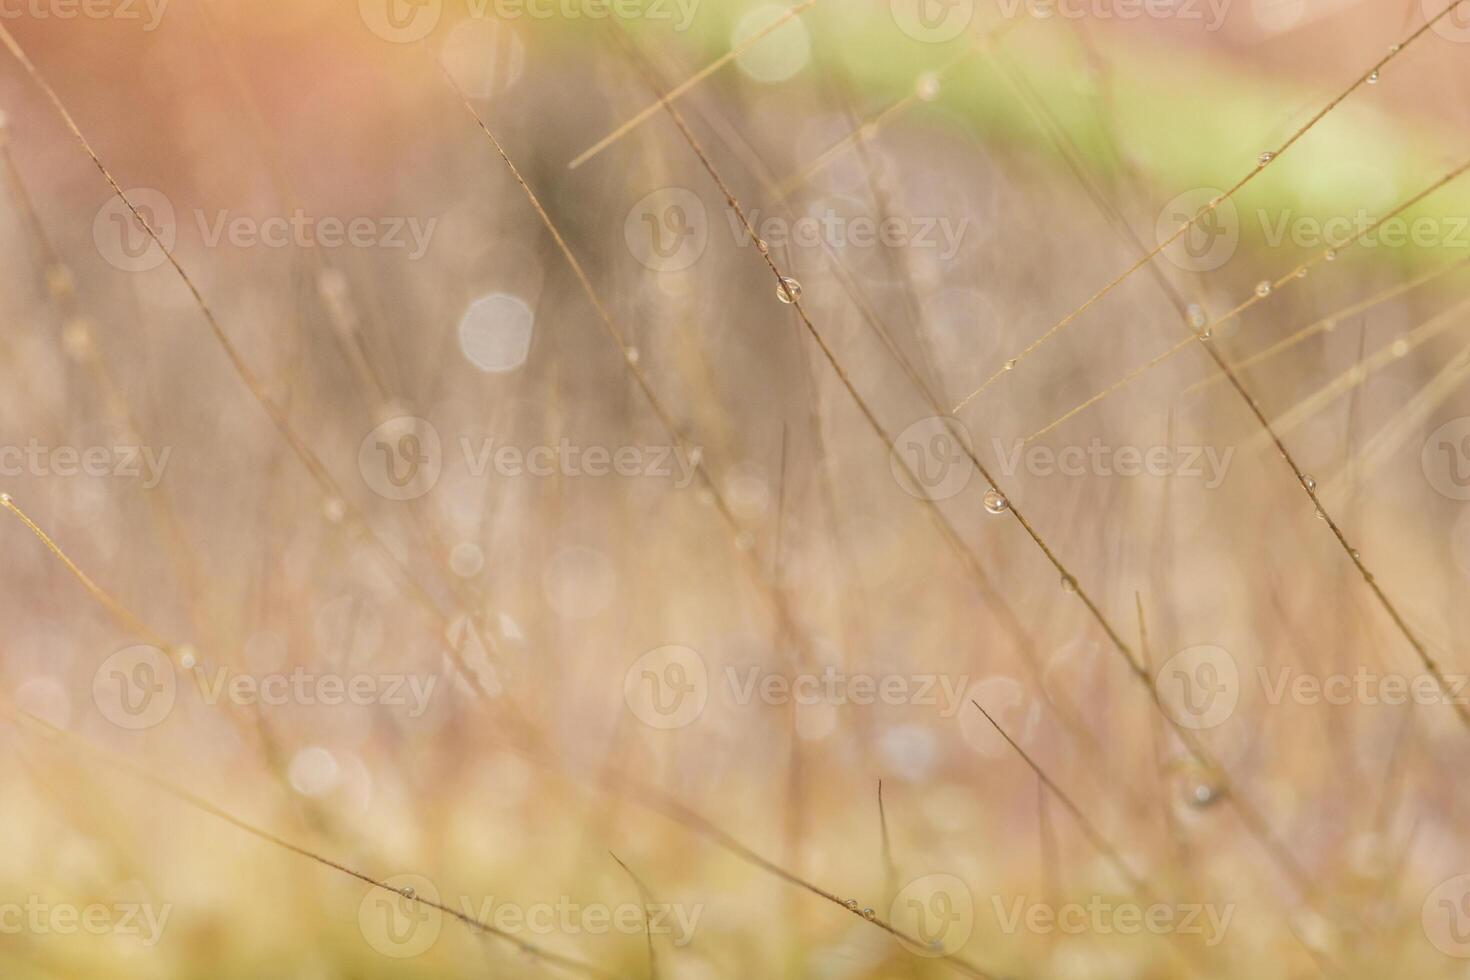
{"x": 551, "y": 566}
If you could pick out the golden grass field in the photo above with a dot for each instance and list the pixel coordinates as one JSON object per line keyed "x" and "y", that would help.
{"x": 691, "y": 489}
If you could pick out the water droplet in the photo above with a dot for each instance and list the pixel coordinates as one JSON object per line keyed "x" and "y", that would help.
{"x": 1197, "y": 317}
{"x": 1069, "y": 584}
{"x": 1321, "y": 514}
{"x": 408, "y": 891}
{"x": 927, "y": 87}
{"x": 334, "y": 510}
{"x": 851, "y": 903}
{"x": 1394, "y": 49}
{"x": 762, "y": 247}
{"x": 869, "y": 914}
{"x": 1330, "y": 255}
{"x": 1301, "y": 273}
{"x": 1266, "y": 157}
{"x": 1400, "y": 348}
{"x": 1356, "y": 555}
{"x": 996, "y": 502}
{"x": 1309, "y": 482}
{"x": 632, "y": 355}
{"x": 1263, "y": 288}
{"x": 187, "y": 657}
{"x": 789, "y": 291}
{"x": 5, "y": 498}
{"x": 1373, "y": 77}
{"x": 1010, "y": 365}
{"x": 1204, "y": 795}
